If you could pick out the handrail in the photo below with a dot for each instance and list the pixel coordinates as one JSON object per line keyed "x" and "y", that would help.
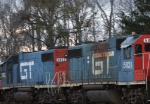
{"x": 117, "y": 63}
{"x": 47, "y": 81}
{"x": 48, "y": 77}
{"x": 142, "y": 57}
{"x": 115, "y": 67}
{"x": 58, "y": 73}
{"x": 47, "y": 74}
{"x": 147, "y": 66}
{"x": 147, "y": 70}
{"x": 63, "y": 74}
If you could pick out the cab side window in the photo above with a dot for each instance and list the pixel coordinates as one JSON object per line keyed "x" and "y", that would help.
{"x": 138, "y": 49}
{"x": 147, "y": 47}
{"x": 127, "y": 52}
{"x": 9, "y": 65}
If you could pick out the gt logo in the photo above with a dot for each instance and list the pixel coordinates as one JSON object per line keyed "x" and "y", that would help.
{"x": 25, "y": 76}
{"x": 100, "y": 63}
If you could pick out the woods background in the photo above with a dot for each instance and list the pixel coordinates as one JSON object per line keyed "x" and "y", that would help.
{"x": 33, "y": 25}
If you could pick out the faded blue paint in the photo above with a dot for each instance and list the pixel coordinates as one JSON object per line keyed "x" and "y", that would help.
{"x": 39, "y": 71}
{"x": 126, "y": 73}
{"x": 83, "y": 69}
{"x": 115, "y": 61}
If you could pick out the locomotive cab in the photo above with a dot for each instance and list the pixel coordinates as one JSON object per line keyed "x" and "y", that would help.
{"x": 135, "y": 58}
{"x": 7, "y": 72}
{"x": 127, "y": 59}
{"x": 142, "y": 58}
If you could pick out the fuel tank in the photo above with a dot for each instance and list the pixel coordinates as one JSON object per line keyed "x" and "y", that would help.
{"x": 23, "y": 96}
{"x": 104, "y": 96}
{"x": 98, "y": 96}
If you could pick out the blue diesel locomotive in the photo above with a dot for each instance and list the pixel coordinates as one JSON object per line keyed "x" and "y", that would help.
{"x": 113, "y": 71}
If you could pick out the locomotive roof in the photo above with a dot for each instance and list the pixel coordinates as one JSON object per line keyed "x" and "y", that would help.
{"x": 129, "y": 41}
{"x": 5, "y": 60}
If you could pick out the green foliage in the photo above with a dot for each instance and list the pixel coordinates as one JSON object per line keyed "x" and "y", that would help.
{"x": 138, "y": 19}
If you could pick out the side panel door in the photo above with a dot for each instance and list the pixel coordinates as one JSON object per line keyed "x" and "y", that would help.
{"x": 61, "y": 65}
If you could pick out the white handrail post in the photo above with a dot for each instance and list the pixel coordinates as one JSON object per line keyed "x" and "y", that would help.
{"x": 147, "y": 70}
